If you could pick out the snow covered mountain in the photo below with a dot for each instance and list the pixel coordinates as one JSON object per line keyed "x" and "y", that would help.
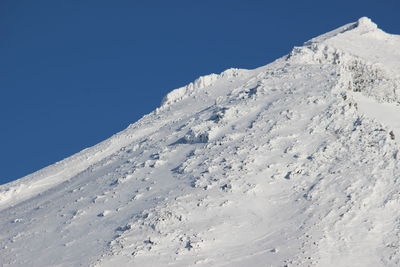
{"x": 295, "y": 163}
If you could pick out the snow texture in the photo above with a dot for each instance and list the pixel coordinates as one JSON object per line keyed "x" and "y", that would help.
{"x": 291, "y": 164}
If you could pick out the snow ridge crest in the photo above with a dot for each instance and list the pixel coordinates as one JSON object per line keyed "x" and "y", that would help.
{"x": 361, "y": 26}
{"x": 200, "y": 83}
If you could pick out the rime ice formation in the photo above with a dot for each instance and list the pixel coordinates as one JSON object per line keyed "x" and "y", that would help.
{"x": 292, "y": 164}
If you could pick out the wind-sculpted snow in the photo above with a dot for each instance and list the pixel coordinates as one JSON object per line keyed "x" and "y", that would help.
{"x": 199, "y": 83}
{"x": 283, "y": 165}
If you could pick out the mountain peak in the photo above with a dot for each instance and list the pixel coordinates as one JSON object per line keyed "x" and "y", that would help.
{"x": 358, "y": 28}
{"x": 366, "y": 23}
{"x": 293, "y": 163}
{"x": 360, "y": 41}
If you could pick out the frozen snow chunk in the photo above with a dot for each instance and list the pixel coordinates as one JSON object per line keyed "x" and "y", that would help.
{"x": 137, "y": 196}
{"x": 201, "y": 133}
{"x": 155, "y": 156}
{"x": 230, "y": 73}
{"x": 204, "y": 81}
{"x": 194, "y": 136}
{"x": 226, "y": 187}
{"x": 218, "y": 114}
{"x": 273, "y": 250}
{"x": 184, "y": 91}
{"x": 124, "y": 228}
{"x": 366, "y": 23}
{"x": 104, "y": 213}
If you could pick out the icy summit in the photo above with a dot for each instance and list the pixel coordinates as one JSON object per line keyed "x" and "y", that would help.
{"x": 291, "y": 164}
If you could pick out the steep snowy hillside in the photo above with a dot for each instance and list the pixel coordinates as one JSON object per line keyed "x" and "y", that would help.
{"x": 291, "y": 164}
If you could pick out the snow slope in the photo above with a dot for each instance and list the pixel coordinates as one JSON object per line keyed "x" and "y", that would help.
{"x": 291, "y": 164}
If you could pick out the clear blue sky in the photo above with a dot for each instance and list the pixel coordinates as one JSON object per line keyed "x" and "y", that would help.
{"x": 72, "y": 73}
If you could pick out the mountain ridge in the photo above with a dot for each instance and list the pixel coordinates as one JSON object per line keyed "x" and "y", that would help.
{"x": 278, "y": 165}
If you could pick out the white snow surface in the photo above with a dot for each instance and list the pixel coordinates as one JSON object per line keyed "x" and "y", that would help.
{"x": 291, "y": 164}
